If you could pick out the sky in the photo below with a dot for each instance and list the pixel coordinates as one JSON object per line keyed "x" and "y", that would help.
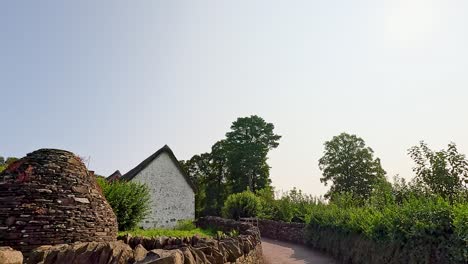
{"x": 117, "y": 80}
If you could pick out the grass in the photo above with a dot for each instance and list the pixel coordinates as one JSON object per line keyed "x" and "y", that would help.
{"x": 184, "y": 228}
{"x": 169, "y": 232}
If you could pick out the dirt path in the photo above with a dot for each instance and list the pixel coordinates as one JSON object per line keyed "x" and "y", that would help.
{"x": 277, "y": 252}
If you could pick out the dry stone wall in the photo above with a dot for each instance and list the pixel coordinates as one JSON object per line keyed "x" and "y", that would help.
{"x": 48, "y": 198}
{"x": 243, "y": 249}
{"x": 291, "y": 232}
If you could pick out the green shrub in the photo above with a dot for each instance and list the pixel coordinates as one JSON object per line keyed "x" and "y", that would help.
{"x": 419, "y": 230}
{"x": 185, "y": 225}
{"x": 244, "y": 204}
{"x": 293, "y": 206}
{"x": 129, "y": 200}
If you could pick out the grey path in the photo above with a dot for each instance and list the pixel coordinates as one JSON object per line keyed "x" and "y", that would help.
{"x": 277, "y": 252}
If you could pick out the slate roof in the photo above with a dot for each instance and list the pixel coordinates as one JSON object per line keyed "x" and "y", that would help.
{"x": 114, "y": 176}
{"x": 133, "y": 172}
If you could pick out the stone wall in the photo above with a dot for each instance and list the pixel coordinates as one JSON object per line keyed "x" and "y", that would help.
{"x": 291, "y": 232}
{"x": 48, "y": 198}
{"x": 243, "y": 249}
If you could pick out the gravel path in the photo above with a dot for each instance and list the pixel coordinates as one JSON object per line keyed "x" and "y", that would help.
{"x": 277, "y": 252}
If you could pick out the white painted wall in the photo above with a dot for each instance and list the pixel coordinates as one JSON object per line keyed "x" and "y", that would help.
{"x": 172, "y": 198}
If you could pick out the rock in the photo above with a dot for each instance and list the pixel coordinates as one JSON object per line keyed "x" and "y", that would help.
{"x": 176, "y": 257}
{"x": 149, "y": 259}
{"x": 38, "y": 254}
{"x": 81, "y": 200}
{"x": 195, "y": 240}
{"x": 139, "y": 253}
{"x": 81, "y": 253}
{"x": 233, "y": 250}
{"x": 218, "y": 257}
{"x": 10, "y": 256}
{"x": 160, "y": 256}
{"x": 200, "y": 257}
{"x": 188, "y": 257}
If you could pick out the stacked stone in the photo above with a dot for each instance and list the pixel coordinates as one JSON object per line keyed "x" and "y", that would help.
{"x": 243, "y": 249}
{"x": 291, "y": 232}
{"x": 48, "y": 198}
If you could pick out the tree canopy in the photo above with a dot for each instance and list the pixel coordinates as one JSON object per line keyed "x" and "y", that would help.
{"x": 247, "y": 147}
{"x": 235, "y": 164}
{"x": 443, "y": 172}
{"x": 350, "y": 166}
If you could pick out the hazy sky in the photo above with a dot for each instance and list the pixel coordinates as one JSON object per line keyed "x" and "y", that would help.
{"x": 116, "y": 80}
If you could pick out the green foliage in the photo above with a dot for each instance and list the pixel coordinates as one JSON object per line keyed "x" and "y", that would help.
{"x": 170, "y": 232}
{"x": 244, "y": 204}
{"x": 236, "y": 163}
{"x": 208, "y": 172}
{"x": 5, "y": 163}
{"x": 247, "y": 147}
{"x": 350, "y": 166}
{"x": 443, "y": 173}
{"x": 129, "y": 201}
{"x": 293, "y": 206}
{"x": 10, "y": 160}
{"x": 185, "y": 225}
{"x": 419, "y": 228}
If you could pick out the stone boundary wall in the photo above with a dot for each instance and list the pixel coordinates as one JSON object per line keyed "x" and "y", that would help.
{"x": 290, "y": 232}
{"x": 242, "y": 249}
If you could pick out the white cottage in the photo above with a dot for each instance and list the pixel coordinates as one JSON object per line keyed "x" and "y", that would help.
{"x": 172, "y": 192}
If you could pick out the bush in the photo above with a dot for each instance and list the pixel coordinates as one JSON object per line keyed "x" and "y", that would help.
{"x": 244, "y": 204}
{"x": 129, "y": 200}
{"x": 420, "y": 230}
{"x": 293, "y": 206}
{"x": 185, "y": 225}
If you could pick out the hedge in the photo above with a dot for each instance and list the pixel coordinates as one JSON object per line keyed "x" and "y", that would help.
{"x": 416, "y": 231}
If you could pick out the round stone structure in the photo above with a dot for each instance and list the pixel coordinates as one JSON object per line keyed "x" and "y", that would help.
{"x": 48, "y": 198}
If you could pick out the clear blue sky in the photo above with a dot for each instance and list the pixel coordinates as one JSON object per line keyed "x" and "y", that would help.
{"x": 116, "y": 80}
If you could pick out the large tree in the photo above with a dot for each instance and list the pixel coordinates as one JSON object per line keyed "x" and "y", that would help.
{"x": 208, "y": 172}
{"x": 234, "y": 164}
{"x": 444, "y": 172}
{"x": 350, "y": 166}
{"x": 247, "y": 146}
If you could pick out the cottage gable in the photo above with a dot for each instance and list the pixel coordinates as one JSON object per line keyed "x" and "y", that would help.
{"x": 172, "y": 192}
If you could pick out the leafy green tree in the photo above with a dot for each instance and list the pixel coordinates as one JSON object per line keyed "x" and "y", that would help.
{"x": 444, "y": 172}
{"x": 2, "y": 161}
{"x": 350, "y": 166}
{"x": 197, "y": 168}
{"x": 234, "y": 164}
{"x": 208, "y": 172}
{"x": 130, "y": 201}
{"x": 246, "y": 148}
